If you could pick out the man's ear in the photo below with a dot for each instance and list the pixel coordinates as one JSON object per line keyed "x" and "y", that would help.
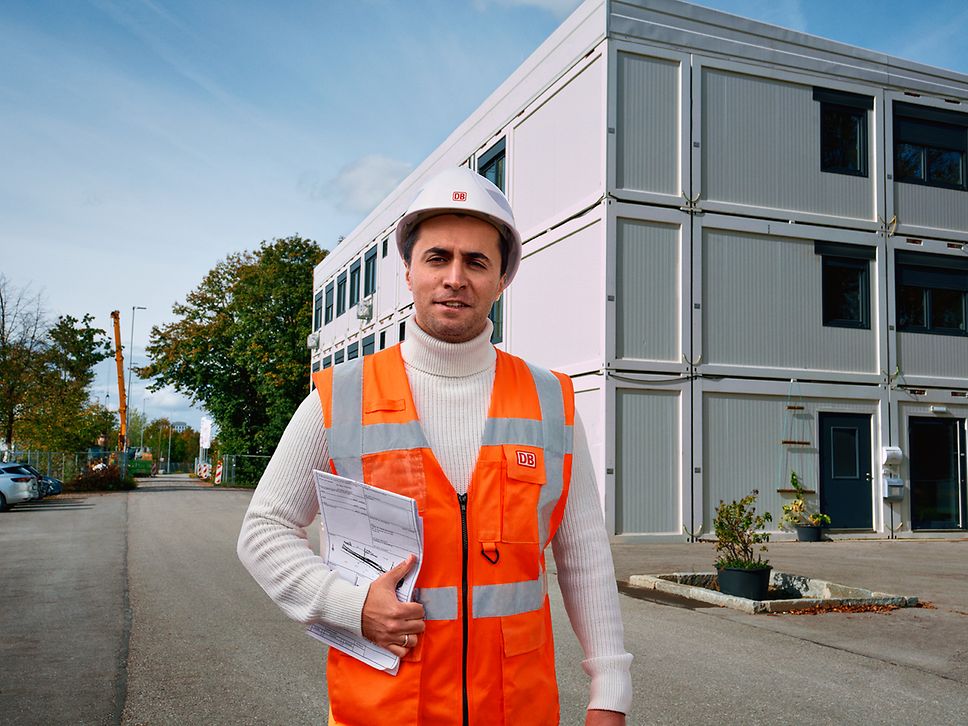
{"x": 501, "y": 288}
{"x": 407, "y": 277}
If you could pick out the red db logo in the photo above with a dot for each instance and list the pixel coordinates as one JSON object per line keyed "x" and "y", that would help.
{"x": 460, "y": 196}
{"x": 528, "y": 459}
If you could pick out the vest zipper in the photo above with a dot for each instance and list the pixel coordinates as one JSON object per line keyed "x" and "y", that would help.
{"x": 462, "y": 500}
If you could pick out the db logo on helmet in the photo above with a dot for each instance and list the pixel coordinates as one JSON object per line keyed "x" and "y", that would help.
{"x": 460, "y": 196}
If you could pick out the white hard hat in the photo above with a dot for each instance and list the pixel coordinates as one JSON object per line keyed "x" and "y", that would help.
{"x": 459, "y": 190}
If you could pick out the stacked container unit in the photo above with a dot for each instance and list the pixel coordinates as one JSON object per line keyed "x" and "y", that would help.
{"x": 746, "y": 245}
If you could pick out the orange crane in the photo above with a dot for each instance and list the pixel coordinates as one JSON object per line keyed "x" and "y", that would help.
{"x": 122, "y": 398}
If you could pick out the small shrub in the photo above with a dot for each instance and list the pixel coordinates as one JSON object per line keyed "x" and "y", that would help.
{"x": 102, "y": 479}
{"x": 736, "y": 526}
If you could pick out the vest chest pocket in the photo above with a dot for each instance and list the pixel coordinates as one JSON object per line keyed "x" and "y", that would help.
{"x": 521, "y": 491}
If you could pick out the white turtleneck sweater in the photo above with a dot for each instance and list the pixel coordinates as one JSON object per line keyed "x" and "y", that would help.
{"x": 451, "y": 386}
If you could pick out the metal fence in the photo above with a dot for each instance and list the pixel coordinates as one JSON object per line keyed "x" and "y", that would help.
{"x": 65, "y": 465}
{"x": 242, "y": 469}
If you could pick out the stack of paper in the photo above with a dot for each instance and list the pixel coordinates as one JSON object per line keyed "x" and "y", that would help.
{"x": 368, "y": 532}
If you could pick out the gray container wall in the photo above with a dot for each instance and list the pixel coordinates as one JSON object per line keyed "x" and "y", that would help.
{"x": 931, "y": 207}
{"x": 742, "y": 447}
{"x": 942, "y": 356}
{"x": 761, "y": 148}
{"x": 647, "y": 449}
{"x": 762, "y": 306}
{"x": 647, "y": 274}
{"x": 647, "y": 124}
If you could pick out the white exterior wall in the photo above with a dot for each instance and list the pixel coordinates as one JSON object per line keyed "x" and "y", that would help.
{"x": 663, "y": 161}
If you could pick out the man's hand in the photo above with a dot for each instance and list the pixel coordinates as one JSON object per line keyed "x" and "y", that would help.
{"x": 388, "y": 622}
{"x": 594, "y": 717}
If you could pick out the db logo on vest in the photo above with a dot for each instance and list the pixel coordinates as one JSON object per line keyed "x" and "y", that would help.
{"x": 527, "y": 458}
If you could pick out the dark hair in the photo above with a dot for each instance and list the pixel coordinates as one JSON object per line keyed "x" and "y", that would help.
{"x": 414, "y": 232}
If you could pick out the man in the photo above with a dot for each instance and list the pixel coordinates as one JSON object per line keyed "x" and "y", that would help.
{"x": 497, "y": 460}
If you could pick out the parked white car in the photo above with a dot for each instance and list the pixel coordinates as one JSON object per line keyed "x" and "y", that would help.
{"x": 16, "y": 485}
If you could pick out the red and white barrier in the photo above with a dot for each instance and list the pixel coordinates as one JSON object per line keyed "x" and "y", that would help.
{"x": 218, "y": 473}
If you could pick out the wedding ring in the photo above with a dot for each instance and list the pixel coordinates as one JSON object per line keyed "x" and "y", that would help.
{"x": 406, "y": 641}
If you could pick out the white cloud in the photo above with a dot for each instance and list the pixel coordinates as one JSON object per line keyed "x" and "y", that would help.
{"x": 360, "y": 185}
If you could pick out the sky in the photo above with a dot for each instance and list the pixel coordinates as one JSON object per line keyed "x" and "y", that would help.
{"x": 142, "y": 141}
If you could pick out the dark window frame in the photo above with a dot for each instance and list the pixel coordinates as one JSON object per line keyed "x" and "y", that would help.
{"x": 352, "y": 351}
{"x": 338, "y": 357}
{"x": 341, "y": 293}
{"x": 496, "y": 316}
{"x": 369, "y": 272}
{"x": 368, "y": 345}
{"x": 930, "y": 129}
{"x": 839, "y": 256}
{"x": 318, "y": 310}
{"x": 402, "y": 331}
{"x": 931, "y": 274}
{"x": 354, "y": 283}
{"x": 850, "y": 104}
{"x": 327, "y": 361}
{"x": 494, "y": 160}
{"x": 328, "y": 317}
{"x": 383, "y": 339}
{"x": 386, "y": 245}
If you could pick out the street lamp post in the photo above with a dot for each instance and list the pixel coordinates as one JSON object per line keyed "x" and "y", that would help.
{"x": 168, "y": 460}
{"x": 124, "y": 457}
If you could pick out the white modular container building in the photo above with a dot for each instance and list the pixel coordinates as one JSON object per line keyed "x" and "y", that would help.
{"x": 748, "y": 246}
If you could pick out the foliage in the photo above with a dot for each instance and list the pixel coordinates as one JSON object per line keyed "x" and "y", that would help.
{"x": 99, "y": 479}
{"x": 737, "y": 527}
{"x": 45, "y": 373}
{"x": 238, "y": 346}
{"x": 797, "y": 512}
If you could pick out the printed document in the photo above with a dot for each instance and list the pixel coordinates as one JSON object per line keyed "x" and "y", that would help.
{"x": 368, "y": 531}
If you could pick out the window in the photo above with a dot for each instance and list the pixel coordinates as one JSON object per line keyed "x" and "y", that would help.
{"x": 368, "y": 342}
{"x": 843, "y": 131}
{"x": 846, "y": 284}
{"x": 490, "y": 164}
{"x": 327, "y": 361}
{"x": 353, "y": 351}
{"x": 329, "y": 303}
{"x": 383, "y": 339}
{"x": 386, "y": 244}
{"x": 930, "y": 146}
{"x": 932, "y": 293}
{"x": 496, "y": 316}
{"x": 341, "y": 294}
{"x": 318, "y": 310}
{"x": 315, "y": 366}
{"x": 354, "y": 283}
{"x": 403, "y": 331}
{"x": 369, "y": 272}
{"x": 338, "y": 357}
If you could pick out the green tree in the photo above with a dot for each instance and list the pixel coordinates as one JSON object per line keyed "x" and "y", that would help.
{"x": 238, "y": 345}
{"x": 45, "y": 373}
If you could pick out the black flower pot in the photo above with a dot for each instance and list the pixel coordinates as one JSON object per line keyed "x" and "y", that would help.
{"x": 751, "y": 584}
{"x": 808, "y": 532}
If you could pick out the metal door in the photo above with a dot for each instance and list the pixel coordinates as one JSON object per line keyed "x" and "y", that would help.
{"x": 845, "y": 470}
{"x": 937, "y": 457}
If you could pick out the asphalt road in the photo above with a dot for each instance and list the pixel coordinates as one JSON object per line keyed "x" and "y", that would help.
{"x": 133, "y": 609}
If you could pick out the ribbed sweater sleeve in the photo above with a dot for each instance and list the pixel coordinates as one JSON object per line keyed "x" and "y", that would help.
{"x": 586, "y": 575}
{"x": 273, "y": 544}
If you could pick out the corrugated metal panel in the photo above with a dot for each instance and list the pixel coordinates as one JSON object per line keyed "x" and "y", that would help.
{"x": 557, "y": 154}
{"x": 931, "y": 207}
{"x": 574, "y": 291}
{"x": 763, "y": 306}
{"x": 919, "y": 354}
{"x": 647, "y": 290}
{"x": 741, "y": 438}
{"x": 761, "y": 147}
{"x": 647, "y": 124}
{"x": 647, "y": 462}
{"x": 742, "y": 449}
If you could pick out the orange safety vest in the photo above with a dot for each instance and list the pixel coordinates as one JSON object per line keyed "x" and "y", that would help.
{"x": 487, "y": 655}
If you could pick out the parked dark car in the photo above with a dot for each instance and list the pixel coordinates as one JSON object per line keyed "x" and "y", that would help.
{"x": 48, "y": 485}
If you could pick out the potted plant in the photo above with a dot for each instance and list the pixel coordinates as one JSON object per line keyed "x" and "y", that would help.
{"x": 797, "y": 515}
{"x": 741, "y": 570}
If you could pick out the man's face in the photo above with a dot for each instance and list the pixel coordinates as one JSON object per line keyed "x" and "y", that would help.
{"x": 455, "y": 276}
